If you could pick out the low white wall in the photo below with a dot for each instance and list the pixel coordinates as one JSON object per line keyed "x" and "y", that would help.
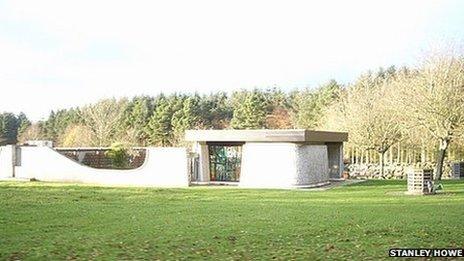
{"x": 6, "y": 161}
{"x": 283, "y": 165}
{"x": 163, "y": 167}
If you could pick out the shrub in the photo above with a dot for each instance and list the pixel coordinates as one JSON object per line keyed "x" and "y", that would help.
{"x": 118, "y": 155}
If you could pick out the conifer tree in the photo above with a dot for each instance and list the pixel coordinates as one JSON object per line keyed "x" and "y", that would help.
{"x": 23, "y": 123}
{"x": 185, "y": 118}
{"x": 137, "y": 116}
{"x": 251, "y": 112}
{"x": 159, "y": 129}
{"x": 309, "y": 105}
{"x": 8, "y": 128}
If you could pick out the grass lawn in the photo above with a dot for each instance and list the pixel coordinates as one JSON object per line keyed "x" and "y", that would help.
{"x": 60, "y": 221}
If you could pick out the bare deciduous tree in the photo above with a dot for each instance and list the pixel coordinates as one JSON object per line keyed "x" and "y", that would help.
{"x": 76, "y": 136}
{"x": 433, "y": 96}
{"x": 366, "y": 112}
{"x": 33, "y": 132}
{"x": 103, "y": 120}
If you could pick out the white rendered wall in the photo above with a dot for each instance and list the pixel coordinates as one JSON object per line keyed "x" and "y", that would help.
{"x": 6, "y": 161}
{"x": 163, "y": 167}
{"x": 283, "y": 165}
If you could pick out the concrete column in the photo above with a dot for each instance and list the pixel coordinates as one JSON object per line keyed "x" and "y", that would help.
{"x": 342, "y": 165}
{"x": 203, "y": 153}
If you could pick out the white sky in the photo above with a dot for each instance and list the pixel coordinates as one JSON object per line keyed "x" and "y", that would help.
{"x": 58, "y": 54}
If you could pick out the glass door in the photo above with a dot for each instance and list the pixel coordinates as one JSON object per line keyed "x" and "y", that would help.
{"x": 224, "y": 162}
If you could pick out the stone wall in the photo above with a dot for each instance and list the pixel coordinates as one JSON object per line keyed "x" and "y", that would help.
{"x": 391, "y": 171}
{"x": 312, "y": 164}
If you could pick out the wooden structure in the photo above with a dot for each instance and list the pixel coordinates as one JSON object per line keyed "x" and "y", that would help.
{"x": 420, "y": 181}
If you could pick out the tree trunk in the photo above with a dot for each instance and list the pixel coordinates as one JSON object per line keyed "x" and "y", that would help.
{"x": 391, "y": 155}
{"x": 348, "y": 152}
{"x": 398, "y": 153}
{"x": 441, "y": 157}
{"x": 382, "y": 163}
{"x": 423, "y": 160}
{"x": 353, "y": 156}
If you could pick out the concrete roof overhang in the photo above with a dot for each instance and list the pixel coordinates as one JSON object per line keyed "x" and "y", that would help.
{"x": 288, "y": 135}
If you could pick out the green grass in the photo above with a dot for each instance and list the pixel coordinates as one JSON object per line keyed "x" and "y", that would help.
{"x": 59, "y": 221}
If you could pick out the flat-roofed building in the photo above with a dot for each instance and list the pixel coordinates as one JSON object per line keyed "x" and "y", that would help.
{"x": 268, "y": 158}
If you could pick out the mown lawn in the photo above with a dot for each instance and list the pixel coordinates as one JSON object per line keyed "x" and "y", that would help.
{"x": 59, "y": 221}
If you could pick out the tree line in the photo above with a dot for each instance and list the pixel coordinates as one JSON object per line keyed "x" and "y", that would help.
{"x": 419, "y": 108}
{"x": 161, "y": 120}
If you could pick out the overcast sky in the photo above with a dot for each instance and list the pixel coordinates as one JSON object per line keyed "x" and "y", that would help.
{"x": 58, "y": 54}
